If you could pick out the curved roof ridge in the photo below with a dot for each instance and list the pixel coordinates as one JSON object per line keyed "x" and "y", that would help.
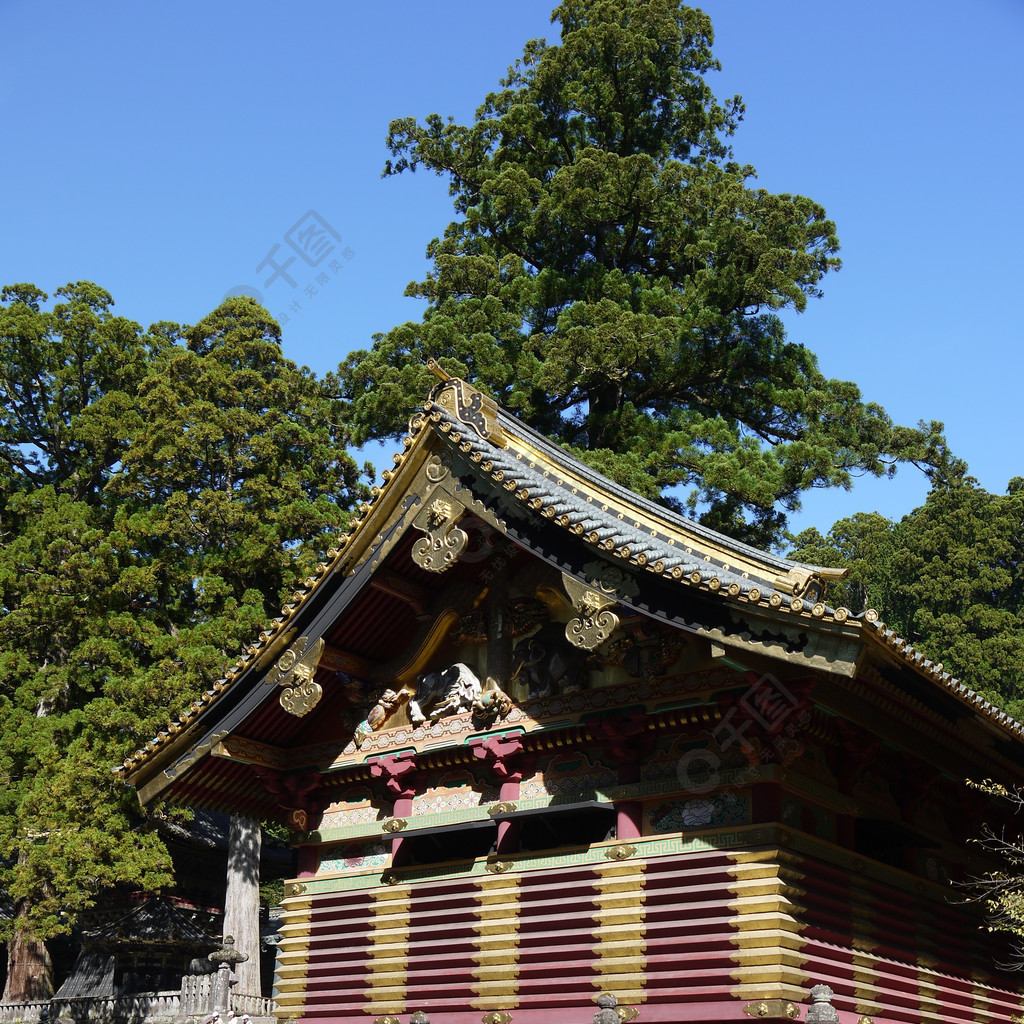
{"x": 555, "y": 484}
{"x": 889, "y": 639}
{"x": 564, "y": 455}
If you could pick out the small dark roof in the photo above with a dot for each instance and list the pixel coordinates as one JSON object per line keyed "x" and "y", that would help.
{"x": 158, "y": 922}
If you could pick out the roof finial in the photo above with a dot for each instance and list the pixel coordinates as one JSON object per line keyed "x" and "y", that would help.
{"x": 435, "y": 368}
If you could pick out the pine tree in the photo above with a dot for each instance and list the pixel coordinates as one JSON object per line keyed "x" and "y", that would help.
{"x": 162, "y": 491}
{"x": 614, "y": 276}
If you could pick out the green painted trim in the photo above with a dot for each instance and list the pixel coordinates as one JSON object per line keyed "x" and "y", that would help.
{"x": 646, "y": 848}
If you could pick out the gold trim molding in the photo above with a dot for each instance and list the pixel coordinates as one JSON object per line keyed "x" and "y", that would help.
{"x": 773, "y": 1009}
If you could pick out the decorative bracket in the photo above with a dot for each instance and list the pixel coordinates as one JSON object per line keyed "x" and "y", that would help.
{"x": 398, "y": 772}
{"x": 444, "y": 541}
{"x": 504, "y": 756}
{"x": 294, "y": 670}
{"x": 595, "y": 623}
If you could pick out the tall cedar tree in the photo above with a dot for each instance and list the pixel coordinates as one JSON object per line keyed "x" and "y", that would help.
{"x": 949, "y": 577}
{"x": 160, "y": 492}
{"x": 613, "y": 276}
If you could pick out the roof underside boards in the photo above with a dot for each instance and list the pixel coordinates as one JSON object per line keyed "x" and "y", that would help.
{"x": 502, "y": 482}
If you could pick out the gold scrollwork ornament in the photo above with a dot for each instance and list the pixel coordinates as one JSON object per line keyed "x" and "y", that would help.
{"x": 496, "y": 1017}
{"x": 300, "y": 700}
{"x": 444, "y": 541}
{"x": 595, "y": 623}
{"x": 505, "y": 807}
{"x": 438, "y": 467}
{"x": 294, "y": 670}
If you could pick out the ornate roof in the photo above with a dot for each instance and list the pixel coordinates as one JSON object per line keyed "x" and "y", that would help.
{"x": 465, "y": 455}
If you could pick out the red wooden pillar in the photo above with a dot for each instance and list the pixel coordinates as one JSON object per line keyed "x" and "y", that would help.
{"x": 296, "y": 794}
{"x": 308, "y": 861}
{"x": 508, "y": 763}
{"x": 400, "y": 775}
{"x": 628, "y": 740}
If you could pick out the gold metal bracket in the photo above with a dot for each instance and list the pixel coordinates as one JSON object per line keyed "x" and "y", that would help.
{"x": 594, "y": 623}
{"x": 619, "y": 852}
{"x": 294, "y": 670}
{"x": 772, "y": 1009}
{"x": 444, "y": 541}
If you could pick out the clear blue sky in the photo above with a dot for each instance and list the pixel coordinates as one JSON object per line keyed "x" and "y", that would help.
{"x": 163, "y": 150}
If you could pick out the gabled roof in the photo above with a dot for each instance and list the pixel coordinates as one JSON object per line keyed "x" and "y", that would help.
{"x": 157, "y": 922}
{"x": 464, "y": 460}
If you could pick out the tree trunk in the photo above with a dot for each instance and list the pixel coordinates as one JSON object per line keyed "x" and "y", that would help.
{"x": 29, "y": 971}
{"x": 242, "y": 900}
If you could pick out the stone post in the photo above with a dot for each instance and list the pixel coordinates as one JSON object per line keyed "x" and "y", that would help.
{"x": 822, "y": 1011}
{"x": 607, "y": 1014}
{"x": 225, "y": 958}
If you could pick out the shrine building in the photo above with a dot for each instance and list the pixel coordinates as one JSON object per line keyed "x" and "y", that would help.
{"x": 540, "y": 739}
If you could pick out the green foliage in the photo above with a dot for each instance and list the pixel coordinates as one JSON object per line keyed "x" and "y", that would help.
{"x": 955, "y": 586}
{"x": 157, "y": 501}
{"x": 861, "y": 544}
{"x": 614, "y": 277}
{"x": 949, "y": 577}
